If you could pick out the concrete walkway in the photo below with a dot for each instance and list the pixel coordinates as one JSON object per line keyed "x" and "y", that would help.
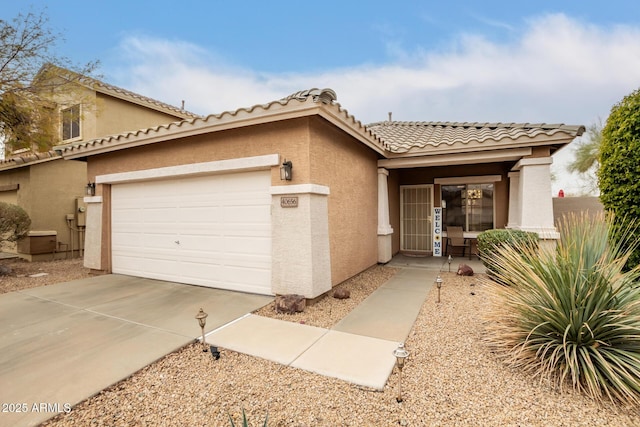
{"x": 359, "y": 348}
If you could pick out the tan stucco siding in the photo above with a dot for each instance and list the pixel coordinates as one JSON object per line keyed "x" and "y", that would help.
{"x": 117, "y": 116}
{"x": 20, "y": 177}
{"x": 350, "y": 170}
{"x": 55, "y": 187}
{"x": 9, "y": 196}
{"x": 47, "y": 192}
{"x": 290, "y": 139}
{"x": 69, "y": 95}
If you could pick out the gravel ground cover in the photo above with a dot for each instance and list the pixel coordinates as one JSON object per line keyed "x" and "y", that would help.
{"x": 450, "y": 379}
{"x": 48, "y": 272}
{"x": 328, "y": 311}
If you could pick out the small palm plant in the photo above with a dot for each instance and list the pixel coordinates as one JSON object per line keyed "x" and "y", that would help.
{"x": 571, "y": 315}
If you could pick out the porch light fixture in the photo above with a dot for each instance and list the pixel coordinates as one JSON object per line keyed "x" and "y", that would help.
{"x": 91, "y": 189}
{"x": 286, "y": 170}
{"x": 439, "y": 285}
{"x": 401, "y": 354}
{"x": 202, "y": 320}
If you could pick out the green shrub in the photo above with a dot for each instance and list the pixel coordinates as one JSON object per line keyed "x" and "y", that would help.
{"x": 14, "y": 223}
{"x": 573, "y": 315}
{"x": 489, "y": 240}
{"x": 618, "y": 174}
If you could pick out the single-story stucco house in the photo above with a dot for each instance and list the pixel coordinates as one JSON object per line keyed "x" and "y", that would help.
{"x": 296, "y": 196}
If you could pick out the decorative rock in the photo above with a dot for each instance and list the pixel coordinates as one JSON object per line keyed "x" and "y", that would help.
{"x": 465, "y": 270}
{"x": 5, "y": 270}
{"x": 290, "y": 304}
{"x": 341, "y": 293}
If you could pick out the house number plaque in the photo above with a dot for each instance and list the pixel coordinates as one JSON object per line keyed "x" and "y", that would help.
{"x": 289, "y": 202}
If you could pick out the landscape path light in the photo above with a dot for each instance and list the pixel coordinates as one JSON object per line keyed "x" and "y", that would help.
{"x": 202, "y": 321}
{"x": 401, "y": 354}
{"x": 449, "y": 261}
{"x": 439, "y": 285}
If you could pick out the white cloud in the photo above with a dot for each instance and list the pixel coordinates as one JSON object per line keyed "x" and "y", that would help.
{"x": 556, "y": 70}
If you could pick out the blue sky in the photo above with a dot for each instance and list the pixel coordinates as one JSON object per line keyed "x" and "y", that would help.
{"x": 509, "y": 61}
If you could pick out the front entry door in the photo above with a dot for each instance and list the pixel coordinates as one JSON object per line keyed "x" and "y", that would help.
{"x": 416, "y": 210}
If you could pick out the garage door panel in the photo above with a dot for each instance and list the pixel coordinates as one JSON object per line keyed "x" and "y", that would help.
{"x": 130, "y": 264}
{"x": 249, "y": 245}
{"x": 222, "y": 224}
{"x": 200, "y": 214}
{"x": 126, "y": 240}
{"x": 143, "y": 253}
{"x": 244, "y": 214}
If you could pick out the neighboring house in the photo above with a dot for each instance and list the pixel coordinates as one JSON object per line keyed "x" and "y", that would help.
{"x": 51, "y": 189}
{"x": 296, "y": 196}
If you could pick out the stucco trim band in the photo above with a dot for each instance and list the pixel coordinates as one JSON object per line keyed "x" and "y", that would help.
{"x": 469, "y": 158}
{"x": 534, "y": 161}
{"x": 300, "y": 189}
{"x": 481, "y": 179}
{"x": 204, "y": 168}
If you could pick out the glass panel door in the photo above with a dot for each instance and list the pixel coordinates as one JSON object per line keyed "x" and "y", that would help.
{"x": 416, "y": 210}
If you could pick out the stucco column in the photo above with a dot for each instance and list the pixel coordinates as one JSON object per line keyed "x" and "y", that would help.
{"x": 515, "y": 202}
{"x": 301, "y": 261}
{"x": 93, "y": 233}
{"x": 535, "y": 195}
{"x": 384, "y": 227}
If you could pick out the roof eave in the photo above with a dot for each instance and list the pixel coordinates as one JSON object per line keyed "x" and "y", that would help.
{"x": 460, "y": 158}
{"x": 273, "y": 112}
{"x": 13, "y": 165}
{"x": 557, "y": 141}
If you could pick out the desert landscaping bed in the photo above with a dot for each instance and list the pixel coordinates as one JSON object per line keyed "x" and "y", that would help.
{"x": 20, "y": 274}
{"x": 451, "y": 378}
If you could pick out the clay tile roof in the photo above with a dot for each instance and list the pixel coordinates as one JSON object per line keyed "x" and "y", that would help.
{"x": 402, "y": 137}
{"x": 296, "y": 101}
{"x": 27, "y": 158}
{"x": 326, "y": 96}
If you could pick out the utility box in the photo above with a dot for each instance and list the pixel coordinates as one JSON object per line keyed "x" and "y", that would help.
{"x": 81, "y": 212}
{"x": 38, "y": 242}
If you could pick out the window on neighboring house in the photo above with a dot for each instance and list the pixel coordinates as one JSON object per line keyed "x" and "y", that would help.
{"x": 71, "y": 122}
{"x": 469, "y": 206}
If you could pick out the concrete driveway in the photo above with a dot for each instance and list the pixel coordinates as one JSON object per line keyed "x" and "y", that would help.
{"x": 63, "y": 343}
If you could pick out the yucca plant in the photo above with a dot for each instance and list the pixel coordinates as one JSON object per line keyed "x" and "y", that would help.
{"x": 571, "y": 315}
{"x": 245, "y": 421}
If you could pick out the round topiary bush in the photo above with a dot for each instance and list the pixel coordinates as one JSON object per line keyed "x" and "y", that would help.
{"x": 14, "y": 223}
{"x": 490, "y": 240}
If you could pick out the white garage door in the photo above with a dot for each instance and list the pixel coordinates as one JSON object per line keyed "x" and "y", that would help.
{"x": 209, "y": 230}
